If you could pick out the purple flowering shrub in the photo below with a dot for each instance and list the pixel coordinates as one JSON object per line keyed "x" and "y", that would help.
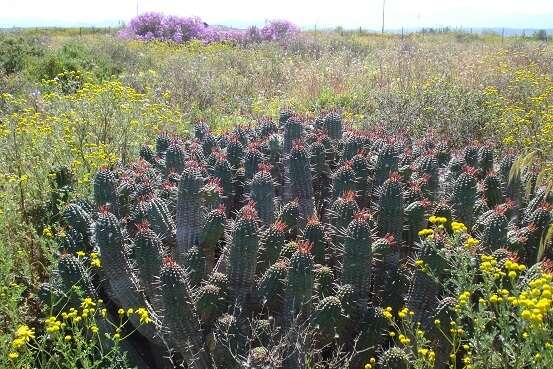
{"x": 157, "y": 26}
{"x": 278, "y": 29}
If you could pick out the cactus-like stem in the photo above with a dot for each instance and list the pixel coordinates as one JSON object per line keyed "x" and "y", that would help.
{"x": 181, "y": 317}
{"x": 424, "y": 290}
{"x": 299, "y": 289}
{"x": 428, "y": 170}
{"x": 212, "y": 231}
{"x": 163, "y": 141}
{"x": 493, "y": 228}
{"x": 485, "y": 159}
{"x": 189, "y": 211}
{"x": 324, "y": 281}
{"x": 76, "y": 217}
{"x": 105, "y": 185}
{"x": 328, "y": 320}
{"x": 210, "y": 302}
{"x": 314, "y": 232}
{"x": 174, "y": 158}
{"x": 357, "y": 259}
{"x": 73, "y": 274}
{"x": 470, "y": 156}
{"x": 415, "y": 220}
{"x": 343, "y": 180}
{"x": 271, "y": 286}
{"x": 242, "y": 256}
{"x": 390, "y": 208}
{"x": 289, "y": 215}
{"x": 195, "y": 264}
{"x": 293, "y": 130}
{"x": 333, "y": 125}
{"x": 386, "y": 164}
{"x": 271, "y": 245}
{"x": 301, "y": 183}
{"x": 262, "y": 192}
{"x": 148, "y": 255}
{"x": 252, "y": 158}
{"x": 222, "y": 170}
{"x": 123, "y": 284}
{"x": 492, "y": 190}
{"x": 321, "y": 174}
{"x": 463, "y": 197}
{"x": 360, "y": 166}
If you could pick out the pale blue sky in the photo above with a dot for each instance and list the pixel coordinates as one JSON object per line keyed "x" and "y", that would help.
{"x": 323, "y": 13}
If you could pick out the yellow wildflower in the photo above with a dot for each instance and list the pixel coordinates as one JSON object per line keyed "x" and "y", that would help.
{"x": 88, "y": 303}
{"x": 18, "y": 342}
{"x": 143, "y": 315}
{"x": 25, "y": 333}
{"x": 425, "y": 232}
{"x": 13, "y": 355}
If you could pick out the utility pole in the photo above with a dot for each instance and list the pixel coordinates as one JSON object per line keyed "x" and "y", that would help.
{"x": 383, "y": 5}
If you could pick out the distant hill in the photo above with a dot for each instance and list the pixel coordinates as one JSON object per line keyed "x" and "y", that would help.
{"x": 479, "y": 30}
{"x": 240, "y": 24}
{"x": 31, "y": 23}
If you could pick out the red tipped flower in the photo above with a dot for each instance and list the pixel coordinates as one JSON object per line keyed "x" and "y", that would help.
{"x": 304, "y": 247}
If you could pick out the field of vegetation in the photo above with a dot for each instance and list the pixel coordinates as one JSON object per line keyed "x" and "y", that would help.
{"x": 275, "y": 199}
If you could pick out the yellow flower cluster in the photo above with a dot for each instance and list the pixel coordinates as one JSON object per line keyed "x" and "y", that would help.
{"x": 95, "y": 260}
{"x": 437, "y": 220}
{"x": 56, "y": 325}
{"x": 458, "y": 227}
{"x": 502, "y": 296}
{"x": 371, "y": 363}
{"x": 488, "y": 265}
{"x": 464, "y": 298}
{"x": 513, "y": 268}
{"x": 53, "y": 325}
{"x": 425, "y": 232}
{"x": 406, "y": 341}
{"x": 430, "y": 354}
{"x": 141, "y": 313}
{"x": 536, "y": 301}
{"x": 88, "y": 303}
{"x": 23, "y": 335}
{"x": 388, "y": 313}
{"x": 47, "y": 232}
{"x": 427, "y": 354}
{"x": 403, "y": 313}
{"x": 456, "y": 330}
{"x": 471, "y": 242}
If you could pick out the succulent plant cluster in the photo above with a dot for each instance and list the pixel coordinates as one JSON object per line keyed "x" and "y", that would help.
{"x": 237, "y": 241}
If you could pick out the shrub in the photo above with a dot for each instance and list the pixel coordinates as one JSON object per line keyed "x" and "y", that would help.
{"x": 15, "y": 53}
{"x": 157, "y": 26}
{"x": 278, "y": 29}
{"x": 75, "y": 57}
{"x": 83, "y": 336}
